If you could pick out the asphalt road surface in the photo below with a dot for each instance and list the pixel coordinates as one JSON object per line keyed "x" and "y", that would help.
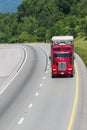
{"x": 35, "y": 101}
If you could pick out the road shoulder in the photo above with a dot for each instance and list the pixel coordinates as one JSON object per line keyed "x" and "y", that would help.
{"x": 11, "y": 58}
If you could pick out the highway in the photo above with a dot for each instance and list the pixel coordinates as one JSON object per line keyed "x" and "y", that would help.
{"x": 35, "y": 101}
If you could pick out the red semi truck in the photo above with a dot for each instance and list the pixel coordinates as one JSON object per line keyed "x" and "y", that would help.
{"x": 62, "y": 56}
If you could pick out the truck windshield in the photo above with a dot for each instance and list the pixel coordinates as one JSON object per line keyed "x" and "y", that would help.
{"x": 61, "y": 55}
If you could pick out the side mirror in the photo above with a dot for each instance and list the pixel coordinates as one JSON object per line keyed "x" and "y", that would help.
{"x": 74, "y": 57}
{"x": 50, "y": 57}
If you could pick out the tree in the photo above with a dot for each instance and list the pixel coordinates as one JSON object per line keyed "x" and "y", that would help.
{"x": 38, "y": 20}
{"x": 41, "y": 34}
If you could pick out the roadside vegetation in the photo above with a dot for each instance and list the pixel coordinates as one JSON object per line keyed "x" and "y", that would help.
{"x": 39, "y": 20}
{"x": 81, "y": 49}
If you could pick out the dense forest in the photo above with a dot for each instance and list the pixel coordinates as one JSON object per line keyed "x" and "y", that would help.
{"x": 39, "y": 20}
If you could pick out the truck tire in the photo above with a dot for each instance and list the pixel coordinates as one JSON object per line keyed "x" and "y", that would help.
{"x": 53, "y": 76}
{"x": 72, "y": 75}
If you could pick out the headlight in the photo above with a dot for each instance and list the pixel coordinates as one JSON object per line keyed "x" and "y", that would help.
{"x": 69, "y": 68}
{"x": 54, "y": 69}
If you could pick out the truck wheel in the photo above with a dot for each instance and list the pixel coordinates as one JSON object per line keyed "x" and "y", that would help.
{"x": 53, "y": 76}
{"x": 72, "y": 75}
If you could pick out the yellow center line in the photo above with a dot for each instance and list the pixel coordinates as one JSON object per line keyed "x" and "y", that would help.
{"x": 75, "y": 100}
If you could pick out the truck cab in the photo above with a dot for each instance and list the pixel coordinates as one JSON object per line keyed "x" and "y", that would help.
{"x": 62, "y": 56}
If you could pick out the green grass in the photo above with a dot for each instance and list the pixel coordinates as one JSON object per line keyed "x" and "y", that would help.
{"x": 81, "y": 49}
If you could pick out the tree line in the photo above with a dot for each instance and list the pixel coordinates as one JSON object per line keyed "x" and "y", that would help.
{"x": 38, "y": 21}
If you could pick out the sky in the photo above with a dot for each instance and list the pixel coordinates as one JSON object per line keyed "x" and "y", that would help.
{"x": 9, "y": 5}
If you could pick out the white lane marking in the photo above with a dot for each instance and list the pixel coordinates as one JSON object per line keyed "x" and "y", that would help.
{"x": 48, "y": 66}
{"x": 44, "y": 77}
{"x": 46, "y": 72}
{"x": 30, "y": 105}
{"x": 36, "y": 94}
{"x": 15, "y": 74}
{"x": 48, "y": 62}
{"x": 21, "y": 120}
{"x": 41, "y": 85}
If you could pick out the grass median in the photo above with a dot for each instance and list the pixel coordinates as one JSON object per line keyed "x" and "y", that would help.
{"x": 81, "y": 49}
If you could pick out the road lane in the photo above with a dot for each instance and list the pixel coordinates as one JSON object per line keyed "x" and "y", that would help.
{"x": 52, "y": 108}
{"x": 54, "y": 95}
{"x": 20, "y": 92}
{"x": 35, "y": 101}
{"x": 72, "y": 117}
{"x": 80, "y": 122}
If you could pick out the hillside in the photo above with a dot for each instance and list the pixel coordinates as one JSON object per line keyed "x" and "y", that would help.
{"x": 9, "y": 5}
{"x": 39, "y": 20}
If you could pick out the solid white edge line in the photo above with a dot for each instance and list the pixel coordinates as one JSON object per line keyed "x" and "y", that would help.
{"x": 15, "y": 74}
{"x": 20, "y": 121}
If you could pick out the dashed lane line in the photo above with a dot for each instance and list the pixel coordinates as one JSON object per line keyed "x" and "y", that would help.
{"x": 41, "y": 85}
{"x": 36, "y": 94}
{"x": 46, "y": 72}
{"x": 20, "y": 121}
{"x": 44, "y": 77}
{"x": 30, "y": 106}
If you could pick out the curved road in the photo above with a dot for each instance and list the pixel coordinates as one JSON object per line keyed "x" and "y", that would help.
{"x": 35, "y": 101}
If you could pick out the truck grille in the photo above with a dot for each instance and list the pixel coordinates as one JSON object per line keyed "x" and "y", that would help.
{"x": 62, "y": 66}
